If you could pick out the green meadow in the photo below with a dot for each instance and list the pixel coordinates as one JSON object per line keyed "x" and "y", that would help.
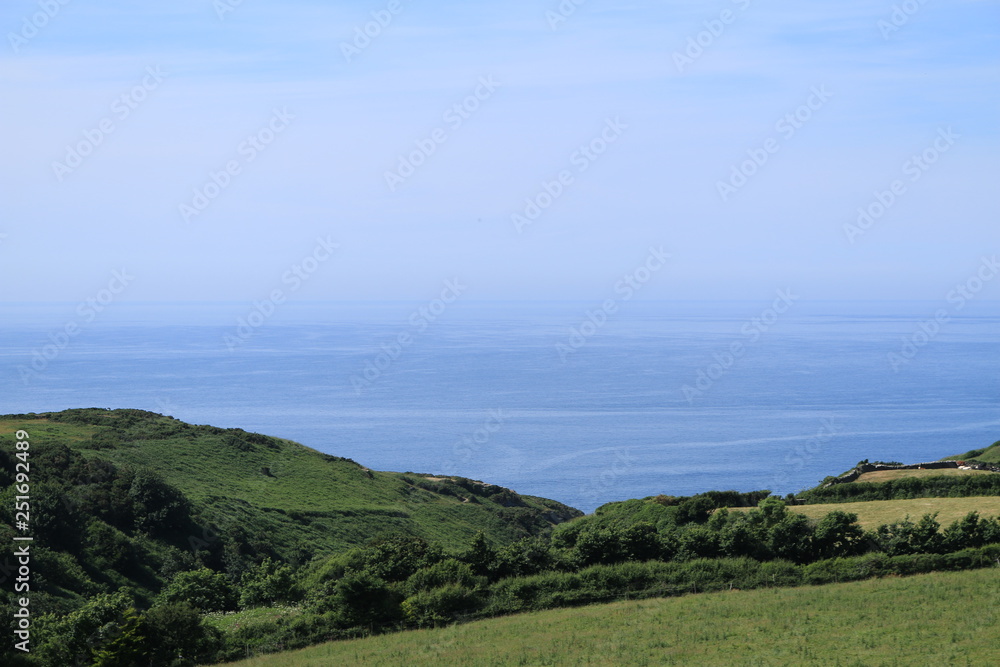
{"x": 931, "y": 619}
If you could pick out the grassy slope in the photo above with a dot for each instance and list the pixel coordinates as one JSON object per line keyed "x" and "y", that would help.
{"x": 874, "y": 513}
{"x": 286, "y": 491}
{"x": 989, "y": 454}
{"x": 886, "y": 475}
{"x": 948, "y": 618}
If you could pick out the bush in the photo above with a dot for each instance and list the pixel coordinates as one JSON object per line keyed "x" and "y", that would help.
{"x": 109, "y": 548}
{"x": 72, "y": 639}
{"x": 360, "y": 599}
{"x": 838, "y": 534}
{"x": 449, "y": 571}
{"x": 203, "y": 589}
{"x": 267, "y": 583}
{"x": 439, "y": 605}
{"x": 176, "y": 633}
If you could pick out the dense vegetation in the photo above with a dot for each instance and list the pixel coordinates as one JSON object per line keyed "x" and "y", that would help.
{"x": 135, "y": 567}
{"x": 941, "y": 486}
{"x": 126, "y": 504}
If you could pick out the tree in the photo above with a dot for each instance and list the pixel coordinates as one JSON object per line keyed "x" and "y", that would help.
{"x": 601, "y": 545}
{"x": 130, "y": 647}
{"x": 481, "y": 555}
{"x": 397, "y": 557}
{"x": 641, "y": 542}
{"x": 449, "y": 571}
{"x": 967, "y": 532}
{"x": 838, "y": 534}
{"x": 894, "y": 539}
{"x": 75, "y": 638}
{"x": 438, "y": 605}
{"x": 695, "y": 509}
{"x": 792, "y": 539}
{"x": 203, "y": 589}
{"x": 742, "y": 538}
{"x": 361, "y": 599}
{"x": 772, "y": 510}
{"x": 524, "y": 557}
{"x": 267, "y": 583}
{"x": 177, "y": 632}
{"x": 698, "y": 542}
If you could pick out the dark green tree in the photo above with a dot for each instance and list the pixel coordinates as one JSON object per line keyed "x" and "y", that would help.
{"x": 838, "y": 534}
{"x": 203, "y": 589}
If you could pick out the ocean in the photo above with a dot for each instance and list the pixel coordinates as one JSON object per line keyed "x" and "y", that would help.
{"x": 564, "y": 400}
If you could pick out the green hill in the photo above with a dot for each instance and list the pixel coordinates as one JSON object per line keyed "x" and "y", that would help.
{"x": 989, "y": 454}
{"x": 162, "y": 543}
{"x": 924, "y": 620}
{"x": 289, "y": 500}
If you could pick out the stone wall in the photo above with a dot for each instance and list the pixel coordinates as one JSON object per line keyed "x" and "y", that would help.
{"x": 871, "y": 467}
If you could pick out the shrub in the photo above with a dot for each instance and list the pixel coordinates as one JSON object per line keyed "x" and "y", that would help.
{"x": 176, "y": 631}
{"x": 838, "y": 534}
{"x": 449, "y": 571}
{"x": 439, "y": 605}
{"x": 267, "y": 583}
{"x": 362, "y": 599}
{"x": 203, "y": 589}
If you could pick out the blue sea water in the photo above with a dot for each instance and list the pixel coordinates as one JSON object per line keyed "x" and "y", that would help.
{"x": 506, "y": 393}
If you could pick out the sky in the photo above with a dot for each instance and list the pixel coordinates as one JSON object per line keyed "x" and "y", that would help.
{"x": 530, "y": 149}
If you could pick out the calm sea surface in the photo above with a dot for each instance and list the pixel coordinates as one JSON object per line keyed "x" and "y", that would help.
{"x": 507, "y": 393}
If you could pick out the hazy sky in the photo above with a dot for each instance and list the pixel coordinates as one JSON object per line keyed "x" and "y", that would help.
{"x": 833, "y": 99}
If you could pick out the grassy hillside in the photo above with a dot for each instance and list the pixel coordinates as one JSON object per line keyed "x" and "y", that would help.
{"x": 147, "y": 529}
{"x": 874, "y": 513}
{"x": 297, "y": 499}
{"x": 947, "y": 619}
{"x": 989, "y": 454}
{"x": 887, "y": 475}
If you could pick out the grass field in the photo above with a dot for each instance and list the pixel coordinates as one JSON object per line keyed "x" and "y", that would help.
{"x": 888, "y": 475}
{"x": 933, "y": 620}
{"x": 874, "y": 513}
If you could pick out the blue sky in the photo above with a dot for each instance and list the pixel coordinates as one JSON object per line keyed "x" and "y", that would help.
{"x": 889, "y": 95}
